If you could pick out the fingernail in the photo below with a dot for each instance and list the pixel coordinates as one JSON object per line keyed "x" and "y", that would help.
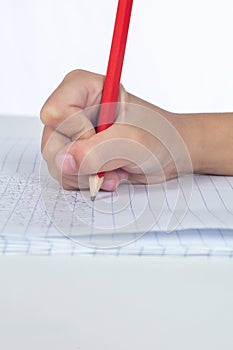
{"x": 109, "y": 185}
{"x": 66, "y": 163}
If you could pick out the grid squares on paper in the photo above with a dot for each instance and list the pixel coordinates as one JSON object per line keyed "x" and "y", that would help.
{"x": 206, "y": 229}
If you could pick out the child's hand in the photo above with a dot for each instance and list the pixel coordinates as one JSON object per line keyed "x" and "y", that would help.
{"x": 144, "y": 145}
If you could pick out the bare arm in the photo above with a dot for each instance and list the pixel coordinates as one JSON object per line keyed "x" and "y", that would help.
{"x": 209, "y": 138}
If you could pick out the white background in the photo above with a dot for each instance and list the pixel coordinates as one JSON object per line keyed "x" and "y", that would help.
{"x": 179, "y": 53}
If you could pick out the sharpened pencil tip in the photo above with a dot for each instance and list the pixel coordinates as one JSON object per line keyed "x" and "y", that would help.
{"x": 95, "y": 183}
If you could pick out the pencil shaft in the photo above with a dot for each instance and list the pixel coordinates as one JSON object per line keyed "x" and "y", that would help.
{"x": 112, "y": 80}
{"x": 115, "y": 63}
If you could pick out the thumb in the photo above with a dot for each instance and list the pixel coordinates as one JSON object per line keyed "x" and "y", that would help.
{"x": 116, "y": 147}
{"x": 119, "y": 146}
{"x": 108, "y": 150}
{"x": 86, "y": 156}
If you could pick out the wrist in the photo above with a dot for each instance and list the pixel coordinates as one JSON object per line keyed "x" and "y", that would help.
{"x": 191, "y": 129}
{"x": 208, "y": 138}
{"x": 215, "y": 147}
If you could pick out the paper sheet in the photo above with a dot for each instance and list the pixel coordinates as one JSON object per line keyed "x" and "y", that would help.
{"x": 188, "y": 216}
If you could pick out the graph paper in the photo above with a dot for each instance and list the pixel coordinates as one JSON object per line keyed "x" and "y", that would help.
{"x": 192, "y": 215}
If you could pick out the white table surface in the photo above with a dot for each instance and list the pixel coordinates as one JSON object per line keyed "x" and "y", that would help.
{"x": 102, "y": 302}
{"x": 114, "y": 303}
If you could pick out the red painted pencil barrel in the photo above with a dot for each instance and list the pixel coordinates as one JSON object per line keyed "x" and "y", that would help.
{"x": 115, "y": 63}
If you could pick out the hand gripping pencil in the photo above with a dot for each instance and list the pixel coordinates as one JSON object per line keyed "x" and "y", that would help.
{"x": 112, "y": 80}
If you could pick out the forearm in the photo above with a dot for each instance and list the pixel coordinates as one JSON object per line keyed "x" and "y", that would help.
{"x": 209, "y": 137}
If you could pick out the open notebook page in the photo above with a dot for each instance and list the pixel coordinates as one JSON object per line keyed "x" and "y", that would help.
{"x": 191, "y": 215}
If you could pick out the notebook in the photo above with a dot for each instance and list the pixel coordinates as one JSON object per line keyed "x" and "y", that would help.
{"x": 192, "y": 215}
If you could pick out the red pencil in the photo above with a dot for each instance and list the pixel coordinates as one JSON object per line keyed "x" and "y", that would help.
{"x": 112, "y": 80}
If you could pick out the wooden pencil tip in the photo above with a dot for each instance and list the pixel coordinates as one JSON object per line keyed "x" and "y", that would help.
{"x": 95, "y": 182}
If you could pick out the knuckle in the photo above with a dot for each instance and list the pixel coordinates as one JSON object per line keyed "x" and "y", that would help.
{"x": 49, "y": 114}
{"x": 75, "y": 73}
